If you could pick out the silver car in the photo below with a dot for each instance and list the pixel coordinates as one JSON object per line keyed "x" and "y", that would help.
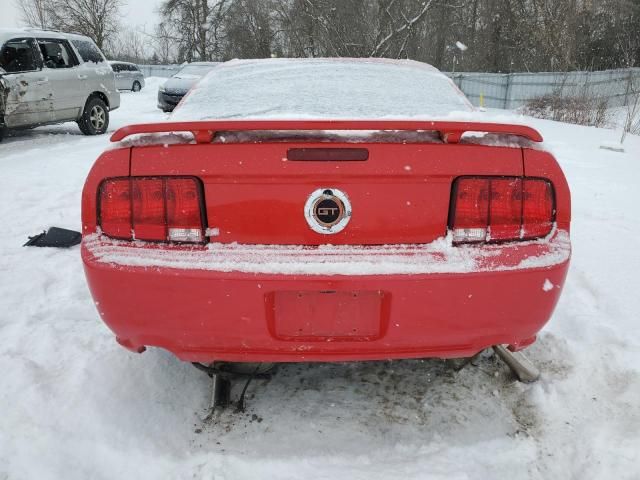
{"x": 51, "y": 77}
{"x": 128, "y": 76}
{"x": 171, "y": 92}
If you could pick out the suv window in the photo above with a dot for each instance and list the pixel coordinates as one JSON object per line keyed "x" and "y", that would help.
{"x": 116, "y": 67}
{"x": 18, "y": 56}
{"x": 57, "y": 53}
{"x": 88, "y": 51}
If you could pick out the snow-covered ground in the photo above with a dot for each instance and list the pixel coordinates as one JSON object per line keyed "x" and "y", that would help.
{"x": 75, "y": 405}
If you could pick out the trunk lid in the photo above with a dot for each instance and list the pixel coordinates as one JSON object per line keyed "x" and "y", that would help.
{"x": 255, "y": 193}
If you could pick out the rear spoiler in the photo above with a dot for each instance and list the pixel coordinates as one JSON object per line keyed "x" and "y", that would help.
{"x": 203, "y": 131}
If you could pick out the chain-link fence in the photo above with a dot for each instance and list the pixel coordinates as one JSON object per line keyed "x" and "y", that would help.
{"x": 164, "y": 71}
{"x": 513, "y": 90}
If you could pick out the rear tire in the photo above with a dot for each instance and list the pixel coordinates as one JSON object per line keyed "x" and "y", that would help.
{"x": 136, "y": 86}
{"x": 95, "y": 117}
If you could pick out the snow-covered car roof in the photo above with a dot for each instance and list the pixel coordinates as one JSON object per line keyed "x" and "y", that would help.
{"x": 9, "y": 33}
{"x": 337, "y": 88}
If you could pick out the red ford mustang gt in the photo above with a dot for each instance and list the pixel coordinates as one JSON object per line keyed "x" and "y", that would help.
{"x": 325, "y": 210}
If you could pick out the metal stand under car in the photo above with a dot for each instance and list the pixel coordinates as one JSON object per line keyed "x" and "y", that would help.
{"x": 518, "y": 363}
{"x": 222, "y": 374}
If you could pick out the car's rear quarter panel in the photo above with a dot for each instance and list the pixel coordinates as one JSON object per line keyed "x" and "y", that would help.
{"x": 112, "y": 163}
{"x": 538, "y": 163}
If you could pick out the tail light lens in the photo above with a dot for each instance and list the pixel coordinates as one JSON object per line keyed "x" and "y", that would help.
{"x": 472, "y": 209}
{"x": 497, "y": 209}
{"x": 152, "y": 208}
{"x": 505, "y": 211}
{"x": 115, "y": 208}
{"x": 184, "y": 218}
{"x": 149, "y": 212}
{"x": 538, "y": 209}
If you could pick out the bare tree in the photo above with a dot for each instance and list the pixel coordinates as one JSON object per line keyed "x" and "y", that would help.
{"x": 400, "y": 26}
{"x": 195, "y": 26}
{"x": 129, "y": 45}
{"x": 502, "y": 35}
{"x": 34, "y": 13}
{"x": 164, "y": 45}
{"x": 631, "y": 119}
{"x": 97, "y": 19}
{"x": 248, "y": 30}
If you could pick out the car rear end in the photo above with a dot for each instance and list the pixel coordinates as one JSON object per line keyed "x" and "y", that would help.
{"x": 205, "y": 250}
{"x": 277, "y": 241}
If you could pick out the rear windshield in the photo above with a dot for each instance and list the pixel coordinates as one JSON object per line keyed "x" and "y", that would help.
{"x": 322, "y": 89}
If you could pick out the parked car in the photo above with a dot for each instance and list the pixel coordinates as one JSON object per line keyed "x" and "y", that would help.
{"x": 171, "y": 92}
{"x": 261, "y": 226}
{"x": 128, "y": 76}
{"x": 52, "y": 77}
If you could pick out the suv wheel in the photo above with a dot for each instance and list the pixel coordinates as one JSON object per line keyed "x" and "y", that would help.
{"x": 95, "y": 117}
{"x": 136, "y": 86}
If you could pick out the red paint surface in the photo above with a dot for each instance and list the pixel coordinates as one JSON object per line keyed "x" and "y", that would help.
{"x": 401, "y": 194}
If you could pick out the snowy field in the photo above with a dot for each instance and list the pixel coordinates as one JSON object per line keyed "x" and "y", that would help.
{"x": 75, "y": 405}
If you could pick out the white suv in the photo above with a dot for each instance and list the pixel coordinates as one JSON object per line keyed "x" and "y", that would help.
{"x": 51, "y": 77}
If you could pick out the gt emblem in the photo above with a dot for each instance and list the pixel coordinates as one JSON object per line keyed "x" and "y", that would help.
{"x": 327, "y": 210}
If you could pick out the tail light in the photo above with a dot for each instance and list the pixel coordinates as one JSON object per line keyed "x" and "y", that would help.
{"x": 498, "y": 209}
{"x": 152, "y": 208}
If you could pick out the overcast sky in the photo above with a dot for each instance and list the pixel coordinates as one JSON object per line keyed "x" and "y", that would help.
{"x": 137, "y": 13}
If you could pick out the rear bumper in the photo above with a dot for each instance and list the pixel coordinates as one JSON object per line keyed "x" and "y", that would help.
{"x": 264, "y": 312}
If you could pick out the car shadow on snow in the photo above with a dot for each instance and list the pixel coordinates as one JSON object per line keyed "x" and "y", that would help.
{"x": 369, "y": 404}
{"x": 49, "y": 133}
